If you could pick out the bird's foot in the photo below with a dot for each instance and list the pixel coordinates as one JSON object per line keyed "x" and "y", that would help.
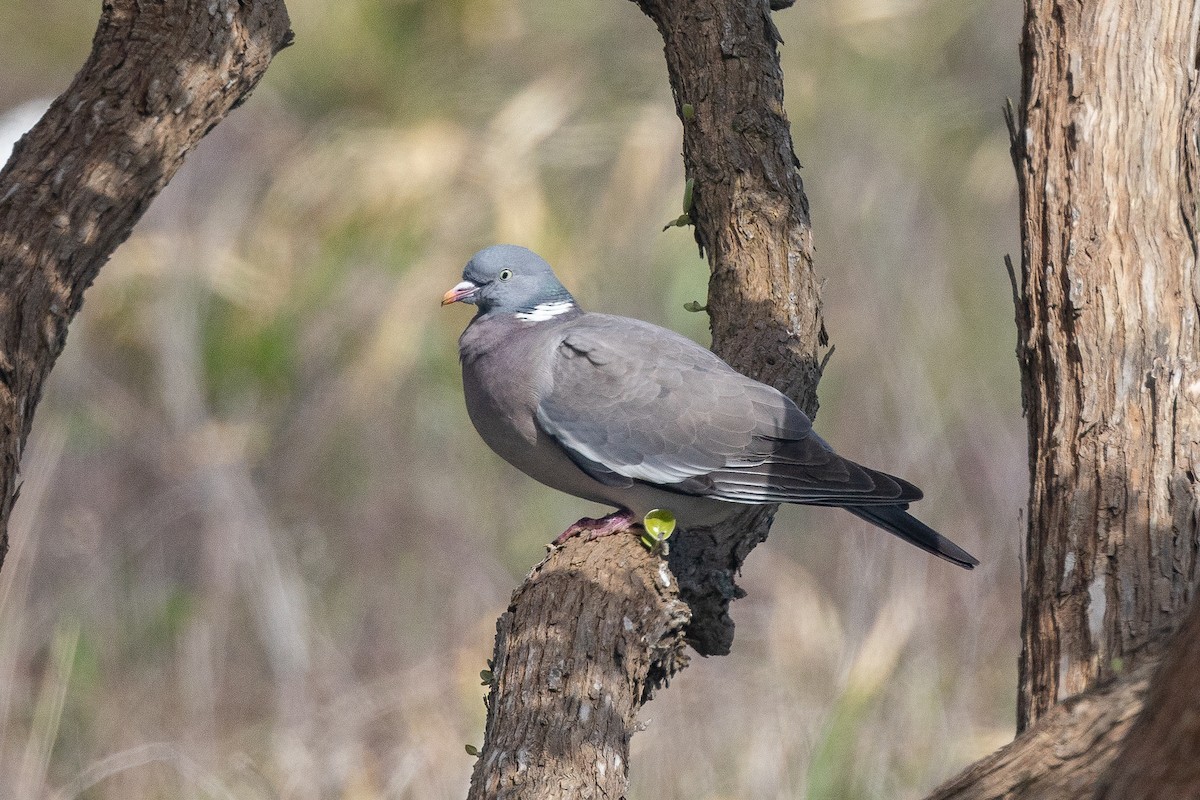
{"x": 591, "y": 529}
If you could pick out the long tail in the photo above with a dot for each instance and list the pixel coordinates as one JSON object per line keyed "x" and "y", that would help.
{"x": 894, "y": 519}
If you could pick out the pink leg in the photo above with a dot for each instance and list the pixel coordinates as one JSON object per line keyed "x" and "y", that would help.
{"x": 595, "y": 528}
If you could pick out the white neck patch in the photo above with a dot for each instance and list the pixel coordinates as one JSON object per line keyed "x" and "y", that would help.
{"x": 544, "y": 311}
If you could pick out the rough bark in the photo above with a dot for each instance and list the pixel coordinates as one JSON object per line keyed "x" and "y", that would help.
{"x": 1105, "y": 148}
{"x": 160, "y": 76}
{"x": 1064, "y": 754}
{"x": 1160, "y": 756}
{"x": 586, "y": 638}
{"x": 751, "y": 219}
{"x": 1135, "y": 737}
{"x": 1106, "y": 154}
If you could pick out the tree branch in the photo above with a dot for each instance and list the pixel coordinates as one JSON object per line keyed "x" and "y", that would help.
{"x": 160, "y": 76}
{"x": 599, "y": 625}
{"x": 1160, "y": 756}
{"x": 751, "y": 218}
{"x": 1062, "y": 756}
{"x": 586, "y": 639}
{"x": 1135, "y": 737}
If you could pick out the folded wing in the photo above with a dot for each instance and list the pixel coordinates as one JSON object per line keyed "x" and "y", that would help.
{"x": 629, "y": 401}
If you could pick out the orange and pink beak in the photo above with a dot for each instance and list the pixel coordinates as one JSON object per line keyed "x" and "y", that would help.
{"x": 463, "y": 292}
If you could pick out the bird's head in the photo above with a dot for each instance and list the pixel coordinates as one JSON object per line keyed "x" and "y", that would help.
{"x": 508, "y": 279}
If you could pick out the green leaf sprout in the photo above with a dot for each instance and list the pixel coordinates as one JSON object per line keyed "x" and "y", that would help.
{"x": 659, "y": 525}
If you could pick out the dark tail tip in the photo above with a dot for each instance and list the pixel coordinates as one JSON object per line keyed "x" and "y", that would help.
{"x": 895, "y": 520}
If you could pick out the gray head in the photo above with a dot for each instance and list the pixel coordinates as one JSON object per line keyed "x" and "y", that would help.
{"x": 508, "y": 279}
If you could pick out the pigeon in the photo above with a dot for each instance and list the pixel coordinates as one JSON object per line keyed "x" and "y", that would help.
{"x": 631, "y": 415}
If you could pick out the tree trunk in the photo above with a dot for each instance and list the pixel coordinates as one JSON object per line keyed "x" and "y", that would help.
{"x": 1107, "y": 163}
{"x": 599, "y": 625}
{"x": 160, "y": 76}
{"x": 751, "y": 218}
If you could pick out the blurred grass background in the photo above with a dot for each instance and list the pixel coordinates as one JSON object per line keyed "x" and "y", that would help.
{"x": 260, "y": 551}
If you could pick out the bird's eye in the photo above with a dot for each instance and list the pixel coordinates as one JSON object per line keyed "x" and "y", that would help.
{"x": 505, "y": 274}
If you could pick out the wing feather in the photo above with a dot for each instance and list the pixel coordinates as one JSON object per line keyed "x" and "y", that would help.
{"x": 629, "y": 401}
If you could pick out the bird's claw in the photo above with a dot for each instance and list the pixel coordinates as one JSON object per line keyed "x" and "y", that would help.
{"x": 590, "y": 528}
